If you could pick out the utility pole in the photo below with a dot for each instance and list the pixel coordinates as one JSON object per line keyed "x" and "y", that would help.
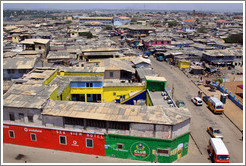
{"x": 172, "y": 90}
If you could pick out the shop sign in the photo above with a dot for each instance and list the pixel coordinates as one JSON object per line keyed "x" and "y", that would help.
{"x": 140, "y": 150}
{"x": 95, "y": 136}
{"x": 75, "y": 143}
{"x": 178, "y": 151}
{"x": 32, "y": 130}
{"x": 5, "y": 127}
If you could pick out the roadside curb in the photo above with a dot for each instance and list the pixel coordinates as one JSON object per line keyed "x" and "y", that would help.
{"x": 223, "y": 112}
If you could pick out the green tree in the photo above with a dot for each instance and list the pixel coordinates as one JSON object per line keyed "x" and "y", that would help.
{"x": 68, "y": 22}
{"x": 133, "y": 20}
{"x": 202, "y": 30}
{"x": 234, "y": 38}
{"x": 172, "y": 23}
{"x": 87, "y": 34}
{"x": 108, "y": 27}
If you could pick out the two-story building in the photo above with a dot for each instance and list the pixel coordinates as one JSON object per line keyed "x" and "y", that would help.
{"x": 156, "y": 41}
{"x": 119, "y": 21}
{"x": 139, "y": 31}
{"x": 40, "y": 45}
{"x": 39, "y": 110}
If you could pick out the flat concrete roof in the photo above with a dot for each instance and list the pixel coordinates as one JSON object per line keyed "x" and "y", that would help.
{"x": 158, "y": 99}
{"x": 153, "y": 78}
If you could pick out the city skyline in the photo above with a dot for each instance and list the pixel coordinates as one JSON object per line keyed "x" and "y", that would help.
{"x": 216, "y": 7}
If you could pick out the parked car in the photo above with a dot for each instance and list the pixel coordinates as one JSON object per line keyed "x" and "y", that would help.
{"x": 214, "y": 132}
{"x": 197, "y": 101}
{"x": 205, "y": 99}
{"x": 180, "y": 103}
{"x": 145, "y": 56}
{"x": 160, "y": 58}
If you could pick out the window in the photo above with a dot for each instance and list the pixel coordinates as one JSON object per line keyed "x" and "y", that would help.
{"x": 63, "y": 140}
{"x": 89, "y": 84}
{"x": 89, "y": 143}
{"x": 96, "y": 123}
{"x": 30, "y": 118}
{"x": 10, "y": 71}
{"x": 33, "y": 137}
{"x": 114, "y": 94}
{"x": 111, "y": 74}
{"x": 39, "y": 47}
{"x": 72, "y": 33}
{"x": 163, "y": 152}
{"x": 119, "y": 125}
{"x": 11, "y": 117}
{"x": 22, "y": 71}
{"x": 119, "y": 146}
{"x": 73, "y": 121}
{"x": 11, "y": 134}
{"x": 162, "y": 42}
{"x": 21, "y": 117}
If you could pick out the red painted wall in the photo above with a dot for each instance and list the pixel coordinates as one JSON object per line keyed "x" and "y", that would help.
{"x": 49, "y": 139}
{"x": 157, "y": 43}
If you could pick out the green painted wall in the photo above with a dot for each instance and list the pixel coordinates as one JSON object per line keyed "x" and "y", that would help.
{"x": 53, "y": 95}
{"x": 157, "y": 85}
{"x": 141, "y": 148}
{"x": 46, "y": 82}
{"x": 66, "y": 93}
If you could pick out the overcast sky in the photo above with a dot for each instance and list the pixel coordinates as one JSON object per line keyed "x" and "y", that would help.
{"x": 221, "y": 7}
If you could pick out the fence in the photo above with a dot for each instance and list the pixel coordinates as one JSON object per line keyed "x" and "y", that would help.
{"x": 232, "y": 98}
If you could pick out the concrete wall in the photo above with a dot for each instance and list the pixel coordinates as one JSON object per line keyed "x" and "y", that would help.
{"x": 116, "y": 74}
{"x": 15, "y": 75}
{"x": 52, "y": 121}
{"x": 36, "y": 113}
{"x": 181, "y": 128}
{"x": 44, "y": 49}
{"x": 136, "y": 129}
{"x": 163, "y": 131}
{"x": 142, "y": 130}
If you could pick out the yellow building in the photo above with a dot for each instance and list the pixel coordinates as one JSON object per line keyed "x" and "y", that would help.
{"x": 183, "y": 64}
{"x": 15, "y": 38}
{"x": 40, "y": 45}
{"x": 68, "y": 18}
{"x": 88, "y": 85}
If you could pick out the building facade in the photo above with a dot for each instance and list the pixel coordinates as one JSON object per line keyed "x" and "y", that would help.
{"x": 58, "y": 119}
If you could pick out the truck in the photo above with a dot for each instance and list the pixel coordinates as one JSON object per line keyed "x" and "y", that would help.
{"x": 218, "y": 151}
{"x": 215, "y": 105}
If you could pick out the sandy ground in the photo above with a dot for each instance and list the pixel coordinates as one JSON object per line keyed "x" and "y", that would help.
{"x": 40, "y": 155}
{"x": 232, "y": 87}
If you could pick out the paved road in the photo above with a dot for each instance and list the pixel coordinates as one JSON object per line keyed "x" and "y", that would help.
{"x": 202, "y": 117}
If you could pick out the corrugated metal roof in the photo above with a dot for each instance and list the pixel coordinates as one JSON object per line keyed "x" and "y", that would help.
{"x": 32, "y": 41}
{"x": 115, "y": 112}
{"x": 19, "y": 63}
